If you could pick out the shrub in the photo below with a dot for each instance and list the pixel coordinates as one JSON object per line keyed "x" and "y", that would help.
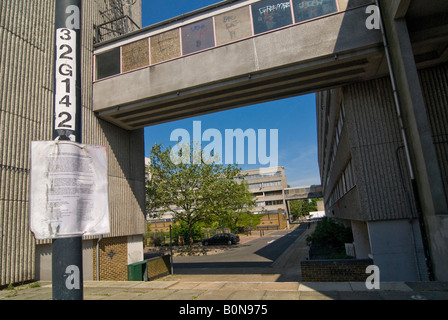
{"x": 330, "y": 233}
{"x": 181, "y": 230}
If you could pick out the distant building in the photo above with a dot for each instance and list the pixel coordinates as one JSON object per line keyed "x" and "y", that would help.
{"x": 267, "y": 185}
{"x": 147, "y": 163}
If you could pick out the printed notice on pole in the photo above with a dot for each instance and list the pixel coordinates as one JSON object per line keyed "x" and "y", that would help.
{"x": 68, "y": 190}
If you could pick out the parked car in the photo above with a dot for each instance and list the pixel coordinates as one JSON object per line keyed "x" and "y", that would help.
{"x": 222, "y": 238}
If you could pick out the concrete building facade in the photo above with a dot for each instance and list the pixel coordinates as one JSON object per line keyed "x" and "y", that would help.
{"x": 267, "y": 186}
{"x": 26, "y": 114}
{"x": 383, "y": 155}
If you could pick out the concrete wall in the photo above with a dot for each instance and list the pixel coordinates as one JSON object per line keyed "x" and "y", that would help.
{"x": 383, "y": 196}
{"x": 435, "y": 87}
{"x": 397, "y": 250}
{"x": 26, "y": 108}
{"x": 375, "y": 146}
{"x": 361, "y": 239}
{"x": 384, "y": 191}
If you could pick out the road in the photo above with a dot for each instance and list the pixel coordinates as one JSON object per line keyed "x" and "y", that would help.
{"x": 256, "y": 256}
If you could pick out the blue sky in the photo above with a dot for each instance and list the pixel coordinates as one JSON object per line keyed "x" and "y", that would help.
{"x": 294, "y": 118}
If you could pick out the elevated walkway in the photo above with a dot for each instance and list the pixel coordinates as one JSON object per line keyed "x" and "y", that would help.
{"x": 233, "y": 54}
{"x": 299, "y": 193}
{"x": 238, "y": 53}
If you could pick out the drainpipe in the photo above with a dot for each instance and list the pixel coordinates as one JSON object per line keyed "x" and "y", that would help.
{"x": 406, "y": 144}
{"x": 395, "y": 92}
{"x": 98, "y": 257}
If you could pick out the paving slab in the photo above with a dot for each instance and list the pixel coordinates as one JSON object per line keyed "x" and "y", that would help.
{"x": 397, "y": 295}
{"x": 155, "y": 284}
{"x": 100, "y": 293}
{"x": 239, "y": 286}
{"x": 431, "y": 295}
{"x": 247, "y": 295}
{"x": 124, "y": 295}
{"x": 394, "y": 286}
{"x": 428, "y": 286}
{"x": 324, "y": 286}
{"x": 45, "y": 284}
{"x": 315, "y": 295}
{"x": 111, "y": 284}
{"x": 184, "y": 285}
{"x": 155, "y": 294}
{"x": 216, "y": 295}
{"x": 359, "y": 286}
{"x": 28, "y": 294}
{"x": 210, "y": 285}
{"x": 359, "y": 295}
{"x": 281, "y": 295}
{"x": 279, "y": 286}
{"x": 184, "y": 295}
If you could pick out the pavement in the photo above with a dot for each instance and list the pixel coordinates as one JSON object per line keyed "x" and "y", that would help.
{"x": 282, "y": 282}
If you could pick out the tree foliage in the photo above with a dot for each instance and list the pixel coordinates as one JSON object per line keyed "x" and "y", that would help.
{"x": 197, "y": 192}
{"x": 301, "y": 208}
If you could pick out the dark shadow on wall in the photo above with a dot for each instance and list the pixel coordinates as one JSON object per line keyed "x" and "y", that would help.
{"x": 127, "y": 148}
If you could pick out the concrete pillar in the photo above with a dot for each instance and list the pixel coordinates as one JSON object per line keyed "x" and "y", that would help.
{"x": 135, "y": 249}
{"x": 397, "y": 250}
{"x": 361, "y": 239}
{"x": 426, "y": 168}
{"x": 418, "y": 129}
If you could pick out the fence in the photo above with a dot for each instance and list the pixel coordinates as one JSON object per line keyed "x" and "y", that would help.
{"x": 150, "y": 269}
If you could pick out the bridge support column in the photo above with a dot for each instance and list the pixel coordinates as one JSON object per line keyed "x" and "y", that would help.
{"x": 428, "y": 182}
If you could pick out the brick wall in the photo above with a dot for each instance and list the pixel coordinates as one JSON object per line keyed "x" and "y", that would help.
{"x": 113, "y": 257}
{"x": 273, "y": 221}
{"x": 335, "y": 270}
{"x": 163, "y": 226}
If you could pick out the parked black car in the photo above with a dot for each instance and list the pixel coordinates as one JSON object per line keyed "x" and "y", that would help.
{"x": 222, "y": 238}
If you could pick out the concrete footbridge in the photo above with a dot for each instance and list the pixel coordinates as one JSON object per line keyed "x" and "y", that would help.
{"x": 300, "y": 193}
{"x": 233, "y": 54}
{"x": 238, "y": 53}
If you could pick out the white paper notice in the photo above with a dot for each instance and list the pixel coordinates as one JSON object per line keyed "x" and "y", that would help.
{"x": 68, "y": 192}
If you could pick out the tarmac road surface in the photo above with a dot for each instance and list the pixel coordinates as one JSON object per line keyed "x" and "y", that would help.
{"x": 255, "y": 256}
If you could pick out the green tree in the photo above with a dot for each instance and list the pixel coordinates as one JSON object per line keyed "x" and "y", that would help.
{"x": 296, "y": 208}
{"x": 302, "y": 208}
{"x": 189, "y": 236}
{"x": 233, "y": 201}
{"x": 194, "y": 192}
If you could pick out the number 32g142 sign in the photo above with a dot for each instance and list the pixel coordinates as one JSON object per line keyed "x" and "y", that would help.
{"x": 66, "y": 77}
{"x": 68, "y": 190}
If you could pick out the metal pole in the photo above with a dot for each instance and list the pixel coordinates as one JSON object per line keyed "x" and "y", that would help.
{"x": 171, "y": 252}
{"x": 67, "y": 281}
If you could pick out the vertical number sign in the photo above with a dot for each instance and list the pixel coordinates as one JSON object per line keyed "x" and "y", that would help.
{"x": 66, "y": 77}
